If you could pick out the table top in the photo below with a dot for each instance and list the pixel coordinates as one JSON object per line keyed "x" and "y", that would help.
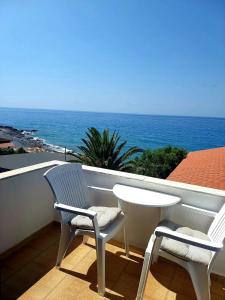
{"x": 144, "y": 197}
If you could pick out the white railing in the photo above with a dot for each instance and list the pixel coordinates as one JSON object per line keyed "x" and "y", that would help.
{"x": 26, "y": 204}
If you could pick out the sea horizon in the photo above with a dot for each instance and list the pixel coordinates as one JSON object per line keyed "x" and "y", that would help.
{"x": 111, "y": 112}
{"x": 66, "y": 128}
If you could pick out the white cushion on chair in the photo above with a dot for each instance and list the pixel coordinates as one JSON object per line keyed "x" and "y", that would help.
{"x": 185, "y": 251}
{"x": 105, "y": 216}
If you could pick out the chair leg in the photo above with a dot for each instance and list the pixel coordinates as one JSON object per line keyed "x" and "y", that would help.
{"x": 126, "y": 240}
{"x": 156, "y": 248}
{"x": 145, "y": 270}
{"x": 201, "y": 280}
{"x": 65, "y": 238}
{"x": 100, "y": 250}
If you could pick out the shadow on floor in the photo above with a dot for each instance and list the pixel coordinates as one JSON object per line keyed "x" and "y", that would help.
{"x": 24, "y": 267}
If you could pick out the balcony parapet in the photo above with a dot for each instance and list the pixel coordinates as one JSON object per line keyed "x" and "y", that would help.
{"x": 27, "y": 203}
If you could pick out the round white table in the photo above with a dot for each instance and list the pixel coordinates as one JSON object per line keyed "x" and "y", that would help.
{"x": 144, "y": 197}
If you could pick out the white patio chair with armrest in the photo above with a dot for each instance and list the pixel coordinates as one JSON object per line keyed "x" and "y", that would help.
{"x": 67, "y": 182}
{"x": 192, "y": 249}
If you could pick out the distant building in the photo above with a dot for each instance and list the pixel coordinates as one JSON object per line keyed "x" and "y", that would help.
{"x": 6, "y": 143}
{"x": 205, "y": 168}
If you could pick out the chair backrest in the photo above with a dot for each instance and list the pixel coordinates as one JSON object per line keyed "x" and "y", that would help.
{"x": 69, "y": 187}
{"x": 217, "y": 229}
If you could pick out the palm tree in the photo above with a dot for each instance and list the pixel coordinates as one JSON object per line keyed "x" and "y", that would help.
{"x": 104, "y": 151}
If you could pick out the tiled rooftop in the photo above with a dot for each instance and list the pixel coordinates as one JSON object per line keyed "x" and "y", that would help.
{"x": 29, "y": 273}
{"x": 204, "y": 168}
{"x": 6, "y": 145}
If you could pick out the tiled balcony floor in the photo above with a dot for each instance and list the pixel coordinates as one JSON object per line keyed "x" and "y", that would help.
{"x": 29, "y": 273}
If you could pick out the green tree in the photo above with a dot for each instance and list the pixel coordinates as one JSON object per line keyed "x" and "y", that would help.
{"x": 10, "y": 150}
{"x": 104, "y": 150}
{"x": 20, "y": 150}
{"x": 159, "y": 162}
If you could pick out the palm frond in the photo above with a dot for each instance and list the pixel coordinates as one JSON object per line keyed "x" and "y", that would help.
{"x": 102, "y": 150}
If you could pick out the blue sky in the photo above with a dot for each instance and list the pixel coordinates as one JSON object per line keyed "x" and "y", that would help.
{"x": 153, "y": 57}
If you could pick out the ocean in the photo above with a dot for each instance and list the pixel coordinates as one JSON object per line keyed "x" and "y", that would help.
{"x": 67, "y": 128}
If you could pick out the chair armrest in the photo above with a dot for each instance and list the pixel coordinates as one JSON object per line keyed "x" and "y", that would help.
{"x": 75, "y": 210}
{"x": 162, "y": 231}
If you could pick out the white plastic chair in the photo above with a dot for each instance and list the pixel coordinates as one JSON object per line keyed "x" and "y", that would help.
{"x": 201, "y": 263}
{"x": 67, "y": 182}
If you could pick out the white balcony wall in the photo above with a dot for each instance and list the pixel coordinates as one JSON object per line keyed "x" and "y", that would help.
{"x": 15, "y": 161}
{"x": 142, "y": 220}
{"x": 26, "y": 204}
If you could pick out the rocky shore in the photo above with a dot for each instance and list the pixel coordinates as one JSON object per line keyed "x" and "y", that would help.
{"x": 26, "y": 139}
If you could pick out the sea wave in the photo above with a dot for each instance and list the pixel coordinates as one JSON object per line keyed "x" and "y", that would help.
{"x": 52, "y": 147}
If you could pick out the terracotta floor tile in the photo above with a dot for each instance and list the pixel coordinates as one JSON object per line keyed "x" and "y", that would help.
{"x": 218, "y": 288}
{"x": 82, "y": 250}
{"x": 182, "y": 286}
{"x": 63, "y": 294}
{"x": 25, "y": 278}
{"x": 7, "y": 294}
{"x": 163, "y": 267}
{"x": 91, "y": 241}
{"x": 157, "y": 287}
{"x": 216, "y": 297}
{"x": 88, "y": 294}
{"x": 38, "y": 292}
{"x": 91, "y": 257}
{"x": 52, "y": 278}
{"x": 112, "y": 248}
{"x": 85, "y": 270}
{"x": 127, "y": 286}
{"x": 22, "y": 256}
{"x": 65, "y": 267}
{"x": 71, "y": 259}
{"x": 173, "y": 296}
{"x": 48, "y": 257}
{"x": 30, "y": 273}
{"x": 114, "y": 266}
{"x": 69, "y": 288}
{"x": 181, "y": 272}
{"x": 5, "y": 272}
{"x": 134, "y": 268}
{"x": 110, "y": 294}
{"x": 221, "y": 280}
{"x": 76, "y": 242}
{"x": 136, "y": 252}
{"x": 77, "y": 254}
{"x": 44, "y": 241}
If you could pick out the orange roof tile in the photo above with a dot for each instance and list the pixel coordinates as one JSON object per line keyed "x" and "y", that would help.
{"x": 204, "y": 168}
{"x": 6, "y": 145}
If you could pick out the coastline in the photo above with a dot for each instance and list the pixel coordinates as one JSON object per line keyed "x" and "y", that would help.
{"x": 67, "y": 128}
{"x": 27, "y": 139}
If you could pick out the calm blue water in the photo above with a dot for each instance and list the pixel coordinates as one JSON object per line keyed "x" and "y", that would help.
{"x": 66, "y": 128}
